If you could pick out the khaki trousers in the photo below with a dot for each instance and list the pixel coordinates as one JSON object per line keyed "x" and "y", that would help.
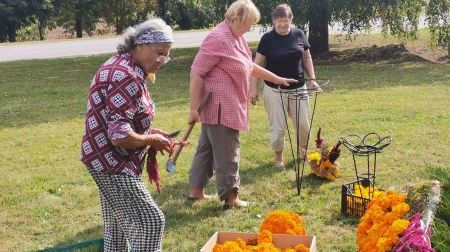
{"x": 297, "y": 110}
{"x": 218, "y": 151}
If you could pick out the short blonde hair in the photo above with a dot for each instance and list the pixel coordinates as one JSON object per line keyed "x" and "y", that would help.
{"x": 244, "y": 12}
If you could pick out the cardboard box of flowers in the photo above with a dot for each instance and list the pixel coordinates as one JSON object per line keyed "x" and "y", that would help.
{"x": 281, "y": 231}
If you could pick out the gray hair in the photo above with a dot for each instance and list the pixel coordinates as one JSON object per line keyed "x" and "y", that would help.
{"x": 131, "y": 34}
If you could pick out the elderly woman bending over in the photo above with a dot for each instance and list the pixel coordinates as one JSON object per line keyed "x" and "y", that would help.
{"x": 117, "y": 134}
{"x": 223, "y": 66}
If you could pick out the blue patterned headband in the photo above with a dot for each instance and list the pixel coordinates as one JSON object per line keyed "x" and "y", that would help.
{"x": 150, "y": 37}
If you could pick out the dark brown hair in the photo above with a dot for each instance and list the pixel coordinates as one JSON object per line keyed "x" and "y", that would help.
{"x": 281, "y": 11}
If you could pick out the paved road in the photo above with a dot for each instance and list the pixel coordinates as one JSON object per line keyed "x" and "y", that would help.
{"x": 80, "y": 47}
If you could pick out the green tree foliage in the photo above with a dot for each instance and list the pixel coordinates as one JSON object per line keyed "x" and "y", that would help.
{"x": 399, "y": 18}
{"x": 190, "y": 14}
{"x": 14, "y": 14}
{"x": 122, "y": 13}
{"x": 438, "y": 17}
{"x": 42, "y": 11}
{"x": 76, "y": 16}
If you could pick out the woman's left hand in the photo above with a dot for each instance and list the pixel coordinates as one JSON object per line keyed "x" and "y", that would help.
{"x": 314, "y": 85}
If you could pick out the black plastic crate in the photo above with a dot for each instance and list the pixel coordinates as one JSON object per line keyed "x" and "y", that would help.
{"x": 352, "y": 205}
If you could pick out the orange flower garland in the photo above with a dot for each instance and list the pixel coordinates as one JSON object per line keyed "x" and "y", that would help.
{"x": 381, "y": 225}
{"x": 277, "y": 222}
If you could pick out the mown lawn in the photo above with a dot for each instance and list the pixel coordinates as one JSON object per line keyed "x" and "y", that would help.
{"x": 48, "y": 199}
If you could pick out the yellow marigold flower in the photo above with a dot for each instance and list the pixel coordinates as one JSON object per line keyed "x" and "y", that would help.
{"x": 315, "y": 156}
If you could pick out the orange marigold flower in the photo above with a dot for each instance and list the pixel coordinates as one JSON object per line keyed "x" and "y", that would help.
{"x": 264, "y": 236}
{"x": 283, "y": 222}
{"x": 382, "y": 224}
{"x": 301, "y": 248}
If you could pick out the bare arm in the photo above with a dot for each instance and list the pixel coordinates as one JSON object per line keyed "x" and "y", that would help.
{"x": 309, "y": 69}
{"x": 195, "y": 89}
{"x": 254, "y": 96}
{"x": 262, "y": 73}
{"x": 135, "y": 140}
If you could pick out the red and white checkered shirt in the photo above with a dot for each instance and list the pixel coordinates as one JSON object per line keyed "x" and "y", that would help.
{"x": 225, "y": 64}
{"x": 118, "y": 104}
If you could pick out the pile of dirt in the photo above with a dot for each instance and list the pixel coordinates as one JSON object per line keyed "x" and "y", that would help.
{"x": 393, "y": 53}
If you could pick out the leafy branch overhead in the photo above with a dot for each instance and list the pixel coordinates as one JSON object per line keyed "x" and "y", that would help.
{"x": 399, "y": 18}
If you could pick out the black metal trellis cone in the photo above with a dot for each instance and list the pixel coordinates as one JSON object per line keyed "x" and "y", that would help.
{"x": 299, "y": 95}
{"x": 360, "y": 146}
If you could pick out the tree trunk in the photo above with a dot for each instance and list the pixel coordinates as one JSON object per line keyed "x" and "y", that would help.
{"x": 41, "y": 28}
{"x": 12, "y": 32}
{"x": 118, "y": 20}
{"x": 162, "y": 9}
{"x": 78, "y": 28}
{"x": 318, "y": 27}
{"x": 78, "y": 21}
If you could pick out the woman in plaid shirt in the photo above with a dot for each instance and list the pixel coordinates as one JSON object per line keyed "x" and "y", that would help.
{"x": 117, "y": 135}
{"x": 223, "y": 66}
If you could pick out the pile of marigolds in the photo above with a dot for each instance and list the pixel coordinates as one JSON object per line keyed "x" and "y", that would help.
{"x": 276, "y": 222}
{"x": 382, "y": 224}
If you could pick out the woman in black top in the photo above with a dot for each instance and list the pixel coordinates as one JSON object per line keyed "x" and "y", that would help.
{"x": 285, "y": 52}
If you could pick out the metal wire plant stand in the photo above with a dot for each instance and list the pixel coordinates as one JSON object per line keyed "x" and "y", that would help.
{"x": 299, "y": 95}
{"x": 369, "y": 145}
{"x": 355, "y": 202}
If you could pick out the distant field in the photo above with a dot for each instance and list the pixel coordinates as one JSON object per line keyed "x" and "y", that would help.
{"x": 48, "y": 199}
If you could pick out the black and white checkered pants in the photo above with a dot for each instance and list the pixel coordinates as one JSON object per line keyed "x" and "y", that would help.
{"x": 132, "y": 219}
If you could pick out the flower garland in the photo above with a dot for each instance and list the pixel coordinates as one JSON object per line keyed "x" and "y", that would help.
{"x": 276, "y": 222}
{"x": 323, "y": 160}
{"x": 383, "y": 222}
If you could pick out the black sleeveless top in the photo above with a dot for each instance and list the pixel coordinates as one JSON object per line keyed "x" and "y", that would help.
{"x": 284, "y": 55}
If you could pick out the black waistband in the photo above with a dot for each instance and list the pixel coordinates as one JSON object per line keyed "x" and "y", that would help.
{"x": 291, "y": 86}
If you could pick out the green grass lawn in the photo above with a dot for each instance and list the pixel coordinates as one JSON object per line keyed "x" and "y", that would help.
{"x": 48, "y": 199}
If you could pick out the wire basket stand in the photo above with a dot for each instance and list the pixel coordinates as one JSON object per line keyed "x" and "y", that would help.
{"x": 367, "y": 146}
{"x": 299, "y": 95}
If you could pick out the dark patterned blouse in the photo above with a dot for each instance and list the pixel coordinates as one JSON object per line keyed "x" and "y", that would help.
{"x": 118, "y": 104}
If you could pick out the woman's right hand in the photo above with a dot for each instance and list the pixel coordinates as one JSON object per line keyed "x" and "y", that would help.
{"x": 160, "y": 143}
{"x": 285, "y": 81}
{"x": 193, "y": 116}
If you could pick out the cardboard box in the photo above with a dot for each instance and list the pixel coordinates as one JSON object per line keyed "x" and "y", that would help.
{"x": 282, "y": 241}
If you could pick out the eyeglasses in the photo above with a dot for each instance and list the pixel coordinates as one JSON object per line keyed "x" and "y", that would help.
{"x": 163, "y": 59}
